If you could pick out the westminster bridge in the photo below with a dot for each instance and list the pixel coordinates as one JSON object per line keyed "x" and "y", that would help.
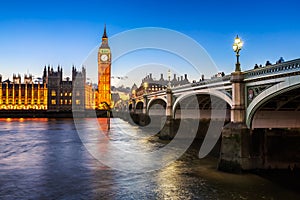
{"x": 260, "y": 109}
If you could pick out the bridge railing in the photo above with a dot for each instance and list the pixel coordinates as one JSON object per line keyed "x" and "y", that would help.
{"x": 277, "y": 69}
{"x": 213, "y": 80}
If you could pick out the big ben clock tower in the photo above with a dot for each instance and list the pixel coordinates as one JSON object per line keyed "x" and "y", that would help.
{"x": 104, "y": 72}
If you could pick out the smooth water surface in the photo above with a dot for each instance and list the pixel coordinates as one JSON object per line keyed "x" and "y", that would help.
{"x": 45, "y": 159}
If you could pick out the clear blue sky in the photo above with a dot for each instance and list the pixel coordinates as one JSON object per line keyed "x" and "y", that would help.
{"x": 38, "y": 33}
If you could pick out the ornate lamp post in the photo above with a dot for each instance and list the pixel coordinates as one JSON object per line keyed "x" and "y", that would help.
{"x": 236, "y": 135}
{"x": 237, "y": 46}
{"x": 145, "y": 87}
{"x": 133, "y": 93}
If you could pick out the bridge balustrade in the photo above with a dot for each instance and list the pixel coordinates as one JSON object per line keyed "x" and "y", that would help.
{"x": 209, "y": 81}
{"x": 277, "y": 69}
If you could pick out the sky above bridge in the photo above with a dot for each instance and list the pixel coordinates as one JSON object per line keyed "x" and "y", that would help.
{"x": 37, "y": 33}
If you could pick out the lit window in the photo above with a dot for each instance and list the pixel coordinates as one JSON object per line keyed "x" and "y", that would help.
{"x": 53, "y": 101}
{"x": 66, "y": 94}
{"x": 77, "y": 101}
{"x": 70, "y": 94}
{"x": 61, "y": 102}
{"x": 53, "y": 93}
{"x": 66, "y": 101}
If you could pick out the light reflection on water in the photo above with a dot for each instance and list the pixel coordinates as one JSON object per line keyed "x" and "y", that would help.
{"x": 45, "y": 159}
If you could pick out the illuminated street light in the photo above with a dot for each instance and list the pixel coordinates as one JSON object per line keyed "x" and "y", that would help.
{"x": 145, "y": 87}
{"x": 133, "y": 93}
{"x": 237, "y": 46}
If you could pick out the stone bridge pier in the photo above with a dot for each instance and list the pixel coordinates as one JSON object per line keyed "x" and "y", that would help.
{"x": 234, "y": 153}
{"x": 167, "y": 131}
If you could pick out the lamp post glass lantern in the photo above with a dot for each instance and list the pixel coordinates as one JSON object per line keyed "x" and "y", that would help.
{"x": 145, "y": 87}
{"x": 237, "y": 46}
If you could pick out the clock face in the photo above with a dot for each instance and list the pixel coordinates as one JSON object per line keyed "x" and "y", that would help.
{"x": 104, "y": 57}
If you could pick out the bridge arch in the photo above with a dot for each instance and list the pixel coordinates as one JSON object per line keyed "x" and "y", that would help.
{"x": 130, "y": 107}
{"x": 216, "y": 93}
{"x": 157, "y": 106}
{"x": 290, "y": 83}
{"x": 152, "y": 101}
{"x": 139, "y": 106}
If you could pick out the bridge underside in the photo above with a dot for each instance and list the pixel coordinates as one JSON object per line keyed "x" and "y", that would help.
{"x": 157, "y": 108}
{"x": 282, "y": 111}
{"x": 202, "y": 107}
{"x": 139, "y": 107}
{"x": 194, "y": 113}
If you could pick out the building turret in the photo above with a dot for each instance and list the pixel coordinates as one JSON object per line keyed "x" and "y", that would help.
{"x": 185, "y": 81}
{"x": 45, "y": 75}
{"x": 17, "y": 79}
{"x": 28, "y": 79}
{"x": 174, "y": 82}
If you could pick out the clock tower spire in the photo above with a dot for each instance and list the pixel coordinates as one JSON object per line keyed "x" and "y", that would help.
{"x": 104, "y": 33}
{"x": 104, "y": 74}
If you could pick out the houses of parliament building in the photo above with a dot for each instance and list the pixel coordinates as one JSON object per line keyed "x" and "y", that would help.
{"x": 53, "y": 93}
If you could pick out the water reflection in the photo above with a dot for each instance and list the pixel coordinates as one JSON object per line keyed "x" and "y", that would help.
{"x": 104, "y": 124}
{"x": 123, "y": 148}
{"x": 45, "y": 159}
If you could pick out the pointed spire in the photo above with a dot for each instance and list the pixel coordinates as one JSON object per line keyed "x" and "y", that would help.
{"x": 104, "y": 33}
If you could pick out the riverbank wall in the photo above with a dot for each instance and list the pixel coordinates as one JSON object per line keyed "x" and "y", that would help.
{"x": 53, "y": 114}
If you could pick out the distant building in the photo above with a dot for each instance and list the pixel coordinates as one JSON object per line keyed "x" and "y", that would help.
{"x": 149, "y": 85}
{"x": 62, "y": 93}
{"x": 52, "y": 93}
{"x": 27, "y": 95}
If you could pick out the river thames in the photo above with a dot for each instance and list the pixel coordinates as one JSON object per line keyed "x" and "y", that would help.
{"x": 45, "y": 159}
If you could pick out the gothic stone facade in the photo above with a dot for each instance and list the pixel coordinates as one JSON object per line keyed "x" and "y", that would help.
{"x": 51, "y": 92}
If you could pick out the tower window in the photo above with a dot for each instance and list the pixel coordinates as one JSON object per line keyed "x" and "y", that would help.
{"x": 53, "y": 93}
